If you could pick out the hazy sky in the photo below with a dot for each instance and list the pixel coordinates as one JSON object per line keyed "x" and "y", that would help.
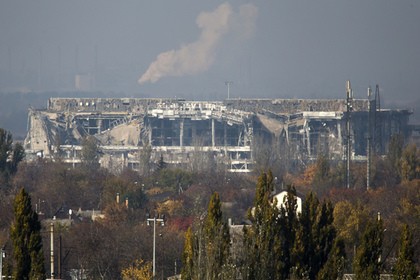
{"x": 189, "y": 48}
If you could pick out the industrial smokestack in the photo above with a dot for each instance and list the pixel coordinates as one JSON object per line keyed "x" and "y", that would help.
{"x": 198, "y": 56}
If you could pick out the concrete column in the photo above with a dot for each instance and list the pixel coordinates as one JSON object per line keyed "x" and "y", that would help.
{"x": 225, "y": 138}
{"x": 150, "y": 133}
{"x": 308, "y": 137}
{"x": 181, "y": 132}
{"x": 99, "y": 125}
{"x": 340, "y": 140}
{"x": 224, "y": 135}
{"x": 212, "y": 133}
{"x": 194, "y": 132}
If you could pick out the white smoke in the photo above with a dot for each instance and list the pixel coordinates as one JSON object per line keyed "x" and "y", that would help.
{"x": 198, "y": 56}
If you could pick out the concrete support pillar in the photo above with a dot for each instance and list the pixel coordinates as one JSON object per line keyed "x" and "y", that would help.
{"x": 340, "y": 140}
{"x": 99, "y": 125}
{"x": 224, "y": 135}
{"x": 162, "y": 135}
{"x": 308, "y": 137}
{"x": 212, "y": 133}
{"x": 149, "y": 129}
{"x": 181, "y": 132}
{"x": 193, "y": 132}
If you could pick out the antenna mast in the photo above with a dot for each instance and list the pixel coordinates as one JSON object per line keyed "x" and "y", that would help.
{"x": 349, "y": 104}
{"x": 228, "y": 84}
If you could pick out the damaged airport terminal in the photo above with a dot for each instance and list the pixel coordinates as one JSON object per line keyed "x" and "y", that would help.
{"x": 226, "y": 131}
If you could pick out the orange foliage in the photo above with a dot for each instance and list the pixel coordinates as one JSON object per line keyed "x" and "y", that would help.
{"x": 180, "y": 223}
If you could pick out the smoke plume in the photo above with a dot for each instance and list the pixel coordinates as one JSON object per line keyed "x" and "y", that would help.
{"x": 198, "y": 56}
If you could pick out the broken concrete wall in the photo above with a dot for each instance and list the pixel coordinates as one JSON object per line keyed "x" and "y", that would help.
{"x": 227, "y": 129}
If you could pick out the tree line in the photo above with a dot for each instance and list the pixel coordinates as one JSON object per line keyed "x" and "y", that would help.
{"x": 332, "y": 223}
{"x": 280, "y": 243}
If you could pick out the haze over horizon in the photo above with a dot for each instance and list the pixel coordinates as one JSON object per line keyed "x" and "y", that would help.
{"x": 188, "y": 49}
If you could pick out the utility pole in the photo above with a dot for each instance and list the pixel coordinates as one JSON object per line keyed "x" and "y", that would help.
{"x": 59, "y": 256}
{"x": 349, "y": 104}
{"x": 369, "y": 137}
{"x": 2, "y": 255}
{"x": 228, "y": 84}
{"x": 52, "y": 250}
{"x": 154, "y": 220}
{"x": 377, "y": 143}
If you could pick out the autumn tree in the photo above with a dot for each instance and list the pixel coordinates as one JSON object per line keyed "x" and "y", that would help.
{"x": 350, "y": 220}
{"x": 126, "y": 188}
{"x": 410, "y": 162}
{"x": 90, "y": 152}
{"x": 206, "y": 251}
{"x": 187, "y": 271}
{"x": 145, "y": 154}
{"x": 27, "y": 240}
{"x": 367, "y": 262}
{"x": 405, "y": 268}
{"x": 174, "y": 179}
{"x": 99, "y": 249}
{"x": 395, "y": 149}
{"x": 321, "y": 178}
{"x": 139, "y": 270}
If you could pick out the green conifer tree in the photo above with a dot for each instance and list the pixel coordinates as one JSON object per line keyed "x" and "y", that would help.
{"x": 288, "y": 223}
{"x": 334, "y": 267}
{"x": 262, "y": 239}
{"x": 161, "y": 163}
{"x": 325, "y": 235}
{"x": 270, "y": 239}
{"x": 10, "y": 155}
{"x": 314, "y": 237}
{"x": 405, "y": 268}
{"x": 27, "y": 241}
{"x": 304, "y": 249}
{"x": 367, "y": 263}
{"x": 217, "y": 239}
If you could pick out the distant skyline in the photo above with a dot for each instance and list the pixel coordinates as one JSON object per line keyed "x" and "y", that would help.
{"x": 268, "y": 49}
